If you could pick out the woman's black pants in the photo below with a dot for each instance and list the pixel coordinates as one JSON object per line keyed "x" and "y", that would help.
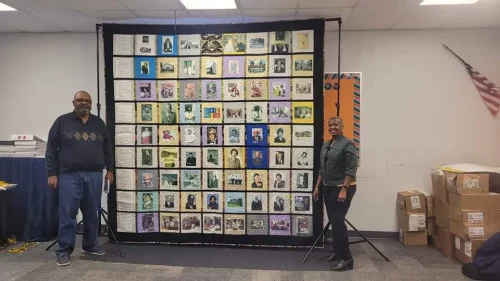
{"x": 337, "y": 212}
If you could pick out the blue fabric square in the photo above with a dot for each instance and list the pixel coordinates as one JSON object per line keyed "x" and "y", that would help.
{"x": 257, "y": 158}
{"x": 167, "y": 45}
{"x": 257, "y": 135}
{"x": 145, "y": 67}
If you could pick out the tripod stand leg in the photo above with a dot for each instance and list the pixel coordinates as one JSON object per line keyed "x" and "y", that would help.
{"x": 55, "y": 242}
{"x": 368, "y": 241}
{"x": 316, "y": 242}
{"x": 112, "y": 233}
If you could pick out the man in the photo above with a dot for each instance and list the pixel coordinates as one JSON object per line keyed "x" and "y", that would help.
{"x": 191, "y": 160}
{"x": 78, "y": 149}
{"x": 147, "y": 180}
{"x": 234, "y": 138}
{"x": 169, "y": 201}
{"x": 257, "y": 158}
{"x": 257, "y": 204}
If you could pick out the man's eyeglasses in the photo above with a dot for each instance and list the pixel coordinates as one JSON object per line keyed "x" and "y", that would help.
{"x": 84, "y": 101}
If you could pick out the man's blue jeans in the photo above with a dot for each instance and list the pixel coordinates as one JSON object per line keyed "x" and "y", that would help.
{"x": 78, "y": 190}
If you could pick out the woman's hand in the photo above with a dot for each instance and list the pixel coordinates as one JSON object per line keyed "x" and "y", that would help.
{"x": 316, "y": 194}
{"x": 342, "y": 195}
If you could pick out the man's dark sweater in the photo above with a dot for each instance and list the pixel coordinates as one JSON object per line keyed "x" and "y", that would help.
{"x": 73, "y": 146}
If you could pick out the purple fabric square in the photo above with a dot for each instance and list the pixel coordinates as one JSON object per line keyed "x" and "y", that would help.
{"x": 279, "y": 225}
{"x": 147, "y": 222}
{"x": 145, "y": 90}
{"x": 234, "y": 66}
{"x": 280, "y": 112}
{"x": 209, "y": 129}
{"x": 279, "y": 89}
{"x": 211, "y": 89}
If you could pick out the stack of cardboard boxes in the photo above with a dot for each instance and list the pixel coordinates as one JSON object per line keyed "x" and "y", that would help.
{"x": 412, "y": 217}
{"x": 466, "y": 213}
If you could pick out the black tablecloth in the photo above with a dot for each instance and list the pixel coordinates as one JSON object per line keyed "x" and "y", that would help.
{"x": 32, "y": 206}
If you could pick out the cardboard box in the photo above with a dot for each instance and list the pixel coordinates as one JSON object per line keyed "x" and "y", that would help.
{"x": 411, "y": 221}
{"x": 413, "y": 238}
{"x": 444, "y": 242}
{"x": 468, "y": 183}
{"x": 412, "y": 201}
{"x": 431, "y": 226}
{"x": 493, "y": 172}
{"x": 439, "y": 185}
{"x": 429, "y": 201}
{"x": 473, "y": 231}
{"x": 489, "y": 201}
{"x": 466, "y": 250}
{"x": 475, "y": 216}
{"x": 441, "y": 212}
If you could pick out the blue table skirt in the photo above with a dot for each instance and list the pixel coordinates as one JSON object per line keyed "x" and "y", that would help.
{"x": 32, "y": 207}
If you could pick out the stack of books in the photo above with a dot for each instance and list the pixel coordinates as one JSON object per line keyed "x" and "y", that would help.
{"x": 23, "y": 146}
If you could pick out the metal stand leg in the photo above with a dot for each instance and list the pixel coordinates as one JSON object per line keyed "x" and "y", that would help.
{"x": 353, "y": 242}
{"x": 103, "y": 214}
{"x": 316, "y": 242}
{"x": 365, "y": 240}
{"x": 55, "y": 242}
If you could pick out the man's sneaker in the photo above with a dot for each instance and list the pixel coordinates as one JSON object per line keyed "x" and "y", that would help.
{"x": 98, "y": 251}
{"x": 63, "y": 260}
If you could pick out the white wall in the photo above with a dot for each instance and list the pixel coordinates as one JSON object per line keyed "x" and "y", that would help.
{"x": 419, "y": 110}
{"x": 39, "y": 74}
{"x": 419, "y": 107}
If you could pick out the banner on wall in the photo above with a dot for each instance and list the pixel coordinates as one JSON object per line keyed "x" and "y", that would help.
{"x": 217, "y": 129}
{"x": 350, "y": 104}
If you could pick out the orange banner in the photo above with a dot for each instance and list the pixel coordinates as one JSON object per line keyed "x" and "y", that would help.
{"x": 350, "y": 84}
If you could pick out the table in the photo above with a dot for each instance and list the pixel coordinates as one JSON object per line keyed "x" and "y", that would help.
{"x": 4, "y": 192}
{"x": 31, "y": 210}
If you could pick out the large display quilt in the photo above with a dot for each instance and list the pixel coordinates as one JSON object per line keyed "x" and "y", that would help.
{"x": 216, "y": 130}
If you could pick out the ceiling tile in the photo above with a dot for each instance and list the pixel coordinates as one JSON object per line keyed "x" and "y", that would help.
{"x": 269, "y": 13}
{"x": 332, "y": 25}
{"x": 214, "y": 13}
{"x": 268, "y": 4}
{"x": 37, "y": 5}
{"x": 366, "y": 18}
{"x": 326, "y": 13}
{"x": 5, "y": 28}
{"x": 207, "y": 20}
{"x": 388, "y": 3}
{"x": 152, "y": 5}
{"x": 422, "y": 17}
{"x": 125, "y": 21}
{"x": 68, "y": 20}
{"x": 110, "y": 15}
{"x": 327, "y": 3}
{"x": 97, "y": 5}
{"x": 161, "y": 14}
{"x": 268, "y": 19}
{"x": 27, "y": 22}
{"x": 474, "y": 16}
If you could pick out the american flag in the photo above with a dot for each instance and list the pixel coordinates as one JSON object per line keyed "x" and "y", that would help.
{"x": 487, "y": 90}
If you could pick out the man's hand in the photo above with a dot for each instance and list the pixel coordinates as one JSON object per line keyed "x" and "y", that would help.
{"x": 109, "y": 176}
{"x": 52, "y": 181}
{"x": 316, "y": 194}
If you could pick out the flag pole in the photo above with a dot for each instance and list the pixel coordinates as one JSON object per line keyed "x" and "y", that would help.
{"x": 457, "y": 56}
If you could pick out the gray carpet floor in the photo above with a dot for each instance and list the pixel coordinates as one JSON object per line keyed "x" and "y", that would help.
{"x": 406, "y": 263}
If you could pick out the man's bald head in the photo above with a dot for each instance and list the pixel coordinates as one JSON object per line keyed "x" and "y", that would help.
{"x": 81, "y": 94}
{"x": 82, "y": 103}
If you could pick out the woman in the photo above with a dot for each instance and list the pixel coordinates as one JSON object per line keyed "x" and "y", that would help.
{"x": 336, "y": 183}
